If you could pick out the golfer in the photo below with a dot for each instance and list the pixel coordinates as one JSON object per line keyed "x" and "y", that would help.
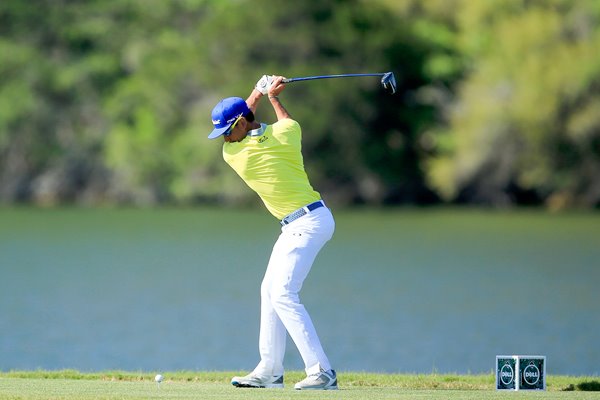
{"x": 269, "y": 160}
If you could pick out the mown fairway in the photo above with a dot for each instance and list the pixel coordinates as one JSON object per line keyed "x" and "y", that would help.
{"x": 215, "y": 385}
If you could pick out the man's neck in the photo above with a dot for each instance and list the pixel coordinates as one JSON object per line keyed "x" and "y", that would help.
{"x": 254, "y": 125}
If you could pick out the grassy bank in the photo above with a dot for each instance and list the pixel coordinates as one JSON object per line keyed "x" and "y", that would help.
{"x": 70, "y": 384}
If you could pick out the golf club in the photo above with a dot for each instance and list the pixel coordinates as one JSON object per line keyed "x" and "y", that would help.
{"x": 388, "y": 81}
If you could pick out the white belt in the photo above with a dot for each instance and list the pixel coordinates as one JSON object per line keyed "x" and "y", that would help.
{"x": 301, "y": 212}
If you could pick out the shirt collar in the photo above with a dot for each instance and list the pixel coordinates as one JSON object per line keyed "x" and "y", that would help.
{"x": 258, "y": 131}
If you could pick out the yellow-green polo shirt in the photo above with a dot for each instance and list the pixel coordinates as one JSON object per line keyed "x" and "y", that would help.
{"x": 271, "y": 164}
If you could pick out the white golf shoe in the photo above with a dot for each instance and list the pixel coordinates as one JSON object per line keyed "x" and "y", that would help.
{"x": 323, "y": 380}
{"x": 257, "y": 381}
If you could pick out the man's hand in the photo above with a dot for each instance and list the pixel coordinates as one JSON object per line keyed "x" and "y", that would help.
{"x": 264, "y": 84}
{"x": 276, "y": 87}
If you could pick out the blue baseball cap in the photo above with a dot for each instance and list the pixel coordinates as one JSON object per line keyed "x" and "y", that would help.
{"x": 225, "y": 113}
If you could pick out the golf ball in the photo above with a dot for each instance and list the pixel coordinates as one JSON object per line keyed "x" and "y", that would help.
{"x": 158, "y": 378}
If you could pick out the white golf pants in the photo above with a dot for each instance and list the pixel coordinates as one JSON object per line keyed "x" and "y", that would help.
{"x": 281, "y": 310}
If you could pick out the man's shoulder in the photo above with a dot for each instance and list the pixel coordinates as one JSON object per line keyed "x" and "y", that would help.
{"x": 286, "y": 124}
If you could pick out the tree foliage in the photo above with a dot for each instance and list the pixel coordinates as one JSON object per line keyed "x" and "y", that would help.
{"x": 525, "y": 124}
{"x": 109, "y": 100}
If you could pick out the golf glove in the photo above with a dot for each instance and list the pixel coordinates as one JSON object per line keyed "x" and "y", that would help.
{"x": 264, "y": 83}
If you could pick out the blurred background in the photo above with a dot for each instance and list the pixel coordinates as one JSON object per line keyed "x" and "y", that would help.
{"x": 117, "y": 214}
{"x": 109, "y": 101}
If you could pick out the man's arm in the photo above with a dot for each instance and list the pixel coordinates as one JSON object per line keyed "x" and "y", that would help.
{"x": 253, "y": 100}
{"x": 276, "y": 88}
{"x": 260, "y": 89}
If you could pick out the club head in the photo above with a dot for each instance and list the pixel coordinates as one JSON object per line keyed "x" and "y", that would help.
{"x": 388, "y": 81}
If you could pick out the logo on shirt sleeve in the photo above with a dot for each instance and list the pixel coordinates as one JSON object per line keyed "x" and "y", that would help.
{"x": 263, "y": 139}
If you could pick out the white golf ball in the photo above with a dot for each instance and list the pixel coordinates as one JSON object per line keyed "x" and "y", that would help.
{"x": 158, "y": 378}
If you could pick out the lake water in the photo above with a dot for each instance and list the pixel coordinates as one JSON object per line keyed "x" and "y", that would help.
{"x": 395, "y": 291}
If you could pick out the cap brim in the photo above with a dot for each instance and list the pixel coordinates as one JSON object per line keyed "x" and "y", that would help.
{"x": 218, "y": 132}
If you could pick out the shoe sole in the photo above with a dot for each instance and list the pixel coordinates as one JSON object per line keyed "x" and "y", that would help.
{"x": 319, "y": 388}
{"x": 270, "y": 386}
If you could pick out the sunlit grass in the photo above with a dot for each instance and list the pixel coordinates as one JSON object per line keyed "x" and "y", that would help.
{"x": 71, "y": 384}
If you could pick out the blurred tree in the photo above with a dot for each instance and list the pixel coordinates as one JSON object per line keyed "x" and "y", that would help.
{"x": 360, "y": 145}
{"x": 525, "y": 127}
{"x": 109, "y": 100}
{"x": 57, "y": 66}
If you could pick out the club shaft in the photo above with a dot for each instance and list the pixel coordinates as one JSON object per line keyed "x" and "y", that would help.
{"x": 310, "y": 78}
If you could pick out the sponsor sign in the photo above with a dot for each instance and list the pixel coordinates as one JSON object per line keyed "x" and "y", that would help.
{"x": 506, "y": 367}
{"x": 532, "y": 373}
{"x": 520, "y": 373}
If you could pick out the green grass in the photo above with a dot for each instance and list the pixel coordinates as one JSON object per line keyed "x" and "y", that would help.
{"x": 70, "y": 384}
